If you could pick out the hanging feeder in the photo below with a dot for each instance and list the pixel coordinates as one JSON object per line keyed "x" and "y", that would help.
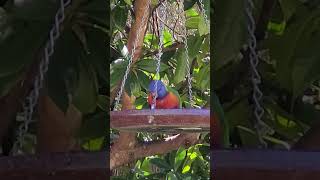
{"x": 161, "y": 120}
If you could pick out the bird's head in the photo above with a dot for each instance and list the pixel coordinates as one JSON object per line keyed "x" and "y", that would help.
{"x": 161, "y": 88}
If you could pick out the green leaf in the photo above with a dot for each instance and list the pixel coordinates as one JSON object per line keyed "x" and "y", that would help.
{"x": 117, "y": 70}
{"x": 13, "y": 62}
{"x": 193, "y": 22}
{"x": 219, "y": 112}
{"x": 94, "y": 144}
{"x": 132, "y": 85}
{"x": 149, "y": 65}
{"x": 62, "y": 75}
{"x": 171, "y": 176}
{"x": 97, "y": 56}
{"x": 103, "y": 103}
{"x": 167, "y": 38}
{"x": 206, "y": 4}
{"x": 202, "y": 78}
{"x": 230, "y": 32}
{"x": 128, "y": 2}
{"x": 191, "y": 12}
{"x": 119, "y": 16}
{"x": 203, "y": 27}
{"x": 186, "y": 169}
{"x": 289, "y": 7}
{"x": 86, "y": 95}
{"x": 180, "y": 155}
{"x": 143, "y": 79}
{"x": 94, "y": 126}
{"x": 294, "y": 52}
{"x": 194, "y": 44}
{"x": 160, "y": 163}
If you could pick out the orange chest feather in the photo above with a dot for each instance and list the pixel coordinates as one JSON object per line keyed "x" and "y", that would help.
{"x": 169, "y": 102}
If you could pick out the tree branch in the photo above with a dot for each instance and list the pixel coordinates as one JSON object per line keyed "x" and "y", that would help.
{"x": 126, "y": 156}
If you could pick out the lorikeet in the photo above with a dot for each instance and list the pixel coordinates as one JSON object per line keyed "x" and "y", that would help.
{"x": 168, "y": 98}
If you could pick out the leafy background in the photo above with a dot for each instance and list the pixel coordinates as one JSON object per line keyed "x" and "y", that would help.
{"x": 289, "y": 62}
{"x": 191, "y": 163}
{"x": 78, "y": 68}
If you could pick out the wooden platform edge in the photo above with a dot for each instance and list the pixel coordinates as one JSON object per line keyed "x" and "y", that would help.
{"x": 183, "y": 118}
{"x": 62, "y": 166}
{"x": 265, "y": 165}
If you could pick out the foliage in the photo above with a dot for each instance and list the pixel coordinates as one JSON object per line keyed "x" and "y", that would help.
{"x": 289, "y": 61}
{"x": 192, "y": 163}
{"x": 78, "y": 67}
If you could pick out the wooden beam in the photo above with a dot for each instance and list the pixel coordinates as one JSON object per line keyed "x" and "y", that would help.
{"x": 62, "y": 166}
{"x": 161, "y": 120}
{"x": 265, "y": 165}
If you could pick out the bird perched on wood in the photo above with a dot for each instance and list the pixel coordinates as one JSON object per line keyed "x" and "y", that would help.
{"x": 167, "y": 97}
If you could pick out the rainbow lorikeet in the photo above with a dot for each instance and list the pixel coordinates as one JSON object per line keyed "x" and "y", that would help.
{"x": 168, "y": 98}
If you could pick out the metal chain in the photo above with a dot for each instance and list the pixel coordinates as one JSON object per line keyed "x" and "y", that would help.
{"x": 255, "y": 78}
{"x": 162, "y": 14}
{"x": 203, "y": 11}
{"x": 125, "y": 77}
{"x": 185, "y": 35}
{"x": 32, "y": 99}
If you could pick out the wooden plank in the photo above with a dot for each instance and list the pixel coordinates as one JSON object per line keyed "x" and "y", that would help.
{"x": 58, "y": 166}
{"x": 265, "y": 165}
{"x": 164, "y": 120}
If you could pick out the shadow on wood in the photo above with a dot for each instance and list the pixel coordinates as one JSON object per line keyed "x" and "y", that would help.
{"x": 265, "y": 165}
{"x": 57, "y": 166}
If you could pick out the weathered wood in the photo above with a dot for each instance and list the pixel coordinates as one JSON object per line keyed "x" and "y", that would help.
{"x": 265, "y": 165}
{"x": 161, "y": 120}
{"x": 68, "y": 166}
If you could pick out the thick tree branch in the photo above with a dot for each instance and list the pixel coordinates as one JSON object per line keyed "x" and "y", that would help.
{"x": 127, "y": 140}
{"x": 126, "y": 156}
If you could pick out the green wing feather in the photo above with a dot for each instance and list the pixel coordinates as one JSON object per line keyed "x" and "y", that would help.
{"x": 175, "y": 92}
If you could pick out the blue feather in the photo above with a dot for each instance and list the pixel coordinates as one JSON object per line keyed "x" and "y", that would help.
{"x": 161, "y": 88}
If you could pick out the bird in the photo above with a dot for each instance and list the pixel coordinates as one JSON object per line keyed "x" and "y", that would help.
{"x": 167, "y": 97}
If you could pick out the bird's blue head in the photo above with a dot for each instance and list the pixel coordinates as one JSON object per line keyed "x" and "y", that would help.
{"x": 161, "y": 88}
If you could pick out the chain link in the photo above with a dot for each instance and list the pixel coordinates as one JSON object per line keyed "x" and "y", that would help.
{"x": 125, "y": 77}
{"x": 260, "y": 126}
{"x": 203, "y": 11}
{"x": 185, "y": 35}
{"x": 32, "y": 99}
{"x": 162, "y": 14}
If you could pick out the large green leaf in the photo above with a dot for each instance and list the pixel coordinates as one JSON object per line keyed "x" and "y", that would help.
{"x": 194, "y": 45}
{"x": 86, "y": 95}
{"x": 150, "y": 65}
{"x": 11, "y": 61}
{"x": 96, "y": 40}
{"x": 180, "y": 155}
{"x": 62, "y": 69}
{"x": 160, "y": 163}
{"x": 229, "y": 30}
{"x": 119, "y": 16}
{"x": 294, "y": 52}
